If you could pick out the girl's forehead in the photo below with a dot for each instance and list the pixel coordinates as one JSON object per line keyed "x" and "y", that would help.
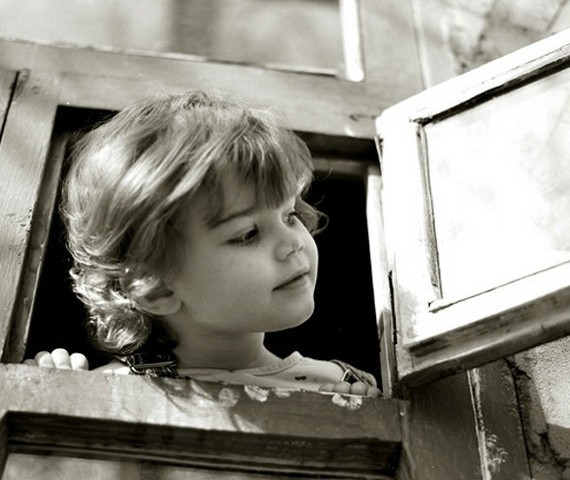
{"x": 233, "y": 187}
{"x": 230, "y": 194}
{"x": 229, "y": 190}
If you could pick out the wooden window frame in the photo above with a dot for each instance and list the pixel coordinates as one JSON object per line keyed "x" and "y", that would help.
{"x": 107, "y": 418}
{"x": 178, "y": 422}
{"x": 189, "y": 423}
{"x": 436, "y": 335}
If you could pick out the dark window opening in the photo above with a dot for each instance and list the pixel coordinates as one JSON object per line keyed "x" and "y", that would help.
{"x": 343, "y": 326}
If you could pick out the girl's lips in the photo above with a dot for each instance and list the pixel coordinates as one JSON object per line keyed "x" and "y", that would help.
{"x": 295, "y": 282}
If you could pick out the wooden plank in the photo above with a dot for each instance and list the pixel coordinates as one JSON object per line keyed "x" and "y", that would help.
{"x": 493, "y": 78}
{"x": 110, "y": 80}
{"x": 36, "y": 250}
{"x": 188, "y": 423}
{"x": 380, "y": 279}
{"x": 7, "y": 81}
{"x": 439, "y": 439}
{"x": 50, "y": 467}
{"x": 23, "y": 154}
{"x": 498, "y": 336}
{"x": 540, "y": 293}
{"x": 500, "y": 437}
{"x": 408, "y": 247}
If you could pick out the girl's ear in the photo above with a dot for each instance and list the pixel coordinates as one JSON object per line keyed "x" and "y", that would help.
{"x": 164, "y": 303}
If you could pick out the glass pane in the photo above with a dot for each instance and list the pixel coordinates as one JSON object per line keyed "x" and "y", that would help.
{"x": 301, "y": 33}
{"x": 500, "y": 179}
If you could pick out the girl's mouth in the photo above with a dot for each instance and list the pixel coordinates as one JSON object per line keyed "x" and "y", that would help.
{"x": 297, "y": 281}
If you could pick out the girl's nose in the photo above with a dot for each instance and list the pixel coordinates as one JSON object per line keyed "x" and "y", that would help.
{"x": 289, "y": 244}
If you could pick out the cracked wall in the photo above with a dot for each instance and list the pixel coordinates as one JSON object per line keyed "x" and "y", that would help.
{"x": 543, "y": 387}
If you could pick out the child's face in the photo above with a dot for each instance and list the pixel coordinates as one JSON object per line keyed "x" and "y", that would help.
{"x": 255, "y": 271}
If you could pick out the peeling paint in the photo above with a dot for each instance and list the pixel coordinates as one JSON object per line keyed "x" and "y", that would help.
{"x": 492, "y": 456}
{"x": 256, "y": 393}
{"x": 496, "y": 455}
{"x": 347, "y": 401}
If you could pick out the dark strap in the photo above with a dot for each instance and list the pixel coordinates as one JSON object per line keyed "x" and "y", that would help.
{"x": 151, "y": 364}
{"x": 352, "y": 375}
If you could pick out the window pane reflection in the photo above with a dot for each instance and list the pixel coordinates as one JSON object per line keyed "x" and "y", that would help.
{"x": 500, "y": 177}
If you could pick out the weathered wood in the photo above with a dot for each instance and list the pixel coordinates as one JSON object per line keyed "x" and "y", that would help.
{"x": 406, "y": 233}
{"x": 7, "y": 80}
{"x": 438, "y": 336}
{"x": 50, "y": 467}
{"x": 201, "y": 424}
{"x": 110, "y": 80}
{"x": 439, "y": 440}
{"x": 23, "y": 152}
{"x": 36, "y": 251}
{"x": 498, "y": 423}
{"x": 538, "y": 59}
{"x": 380, "y": 278}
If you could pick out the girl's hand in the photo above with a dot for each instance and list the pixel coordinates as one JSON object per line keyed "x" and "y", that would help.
{"x": 59, "y": 358}
{"x": 357, "y": 388}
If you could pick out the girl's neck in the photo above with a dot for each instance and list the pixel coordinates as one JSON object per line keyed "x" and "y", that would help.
{"x": 231, "y": 352}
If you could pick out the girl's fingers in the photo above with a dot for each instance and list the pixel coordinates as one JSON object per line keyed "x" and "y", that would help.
{"x": 359, "y": 388}
{"x": 43, "y": 359}
{"x": 374, "y": 392}
{"x": 342, "y": 387}
{"x": 79, "y": 361}
{"x": 61, "y": 359}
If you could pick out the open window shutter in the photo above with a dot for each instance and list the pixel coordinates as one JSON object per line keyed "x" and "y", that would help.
{"x": 476, "y": 175}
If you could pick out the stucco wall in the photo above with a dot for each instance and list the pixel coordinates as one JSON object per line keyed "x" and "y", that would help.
{"x": 478, "y": 31}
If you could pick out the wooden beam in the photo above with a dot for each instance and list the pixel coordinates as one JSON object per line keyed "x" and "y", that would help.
{"x": 109, "y": 80}
{"x": 202, "y": 424}
{"x": 23, "y": 153}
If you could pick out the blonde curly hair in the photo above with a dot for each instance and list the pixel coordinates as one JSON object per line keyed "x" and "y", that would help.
{"x": 130, "y": 179}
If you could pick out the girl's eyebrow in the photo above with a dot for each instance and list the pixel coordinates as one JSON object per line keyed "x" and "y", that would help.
{"x": 232, "y": 216}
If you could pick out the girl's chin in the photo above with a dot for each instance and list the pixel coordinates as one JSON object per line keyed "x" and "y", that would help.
{"x": 290, "y": 323}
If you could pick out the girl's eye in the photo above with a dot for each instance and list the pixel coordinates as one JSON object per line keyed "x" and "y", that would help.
{"x": 245, "y": 238}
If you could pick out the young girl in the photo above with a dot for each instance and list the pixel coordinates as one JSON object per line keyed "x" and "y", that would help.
{"x": 190, "y": 240}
